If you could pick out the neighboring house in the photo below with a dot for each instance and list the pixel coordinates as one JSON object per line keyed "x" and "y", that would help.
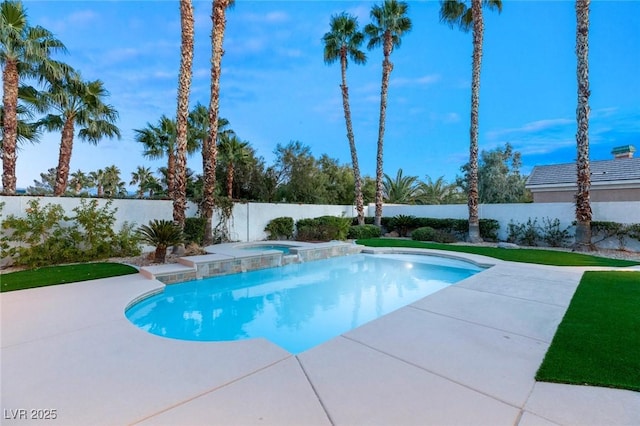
{"x": 611, "y": 180}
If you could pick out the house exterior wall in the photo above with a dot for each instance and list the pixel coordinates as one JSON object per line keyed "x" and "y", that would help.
{"x": 597, "y": 195}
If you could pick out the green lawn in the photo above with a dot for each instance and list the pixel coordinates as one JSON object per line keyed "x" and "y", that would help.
{"x": 598, "y": 341}
{"x": 64, "y": 274}
{"x": 543, "y": 257}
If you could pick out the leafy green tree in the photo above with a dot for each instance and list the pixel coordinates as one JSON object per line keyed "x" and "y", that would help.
{"x": 390, "y": 23}
{"x": 78, "y": 103}
{"x": 26, "y": 53}
{"x": 401, "y": 190}
{"x": 499, "y": 178}
{"x": 460, "y": 13}
{"x": 297, "y": 174}
{"x": 343, "y": 42}
{"x": 45, "y": 185}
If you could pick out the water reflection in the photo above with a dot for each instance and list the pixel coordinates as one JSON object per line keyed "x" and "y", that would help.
{"x": 296, "y": 306}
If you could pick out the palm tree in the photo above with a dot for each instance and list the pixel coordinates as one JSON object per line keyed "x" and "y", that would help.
{"x": 401, "y": 190}
{"x": 97, "y": 180}
{"x": 438, "y": 192}
{"x": 160, "y": 141}
{"x": 458, "y": 13}
{"x": 143, "y": 177}
{"x": 78, "y": 103}
{"x": 343, "y": 42}
{"x": 26, "y": 52}
{"x": 233, "y": 152}
{"x": 209, "y": 146}
{"x": 182, "y": 113}
{"x": 161, "y": 234}
{"x": 78, "y": 181}
{"x": 389, "y": 25}
{"x": 113, "y": 186}
{"x": 583, "y": 203}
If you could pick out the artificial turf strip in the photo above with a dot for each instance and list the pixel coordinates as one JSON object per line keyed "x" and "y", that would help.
{"x": 538, "y": 256}
{"x": 598, "y": 341}
{"x": 52, "y": 275}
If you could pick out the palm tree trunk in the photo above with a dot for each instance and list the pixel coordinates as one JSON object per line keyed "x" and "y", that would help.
{"x": 230, "y": 172}
{"x": 210, "y": 149}
{"x": 352, "y": 142}
{"x": 583, "y": 203}
{"x": 473, "y": 197}
{"x": 10, "y": 79}
{"x": 64, "y": 158}
{"x": 184, "y": 87}
{"x": 387, "y": 67}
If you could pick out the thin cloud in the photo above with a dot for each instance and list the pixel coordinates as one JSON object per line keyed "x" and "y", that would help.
{"x": 417, "y": 81}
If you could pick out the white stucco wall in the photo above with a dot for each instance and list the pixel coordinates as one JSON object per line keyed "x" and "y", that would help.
{"x": 249, "y": 219}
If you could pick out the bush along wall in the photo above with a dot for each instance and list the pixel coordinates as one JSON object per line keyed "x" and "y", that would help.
{"x": 455, "y": 229}
{"x": 323, "y": 228}
{"x": 47, "y": 236}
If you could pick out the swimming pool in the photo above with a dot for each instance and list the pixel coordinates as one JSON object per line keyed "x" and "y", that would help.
{"x": 297, "y": 306}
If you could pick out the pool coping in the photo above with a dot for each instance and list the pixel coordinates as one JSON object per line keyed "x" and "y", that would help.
{"x": 466, "y": 354}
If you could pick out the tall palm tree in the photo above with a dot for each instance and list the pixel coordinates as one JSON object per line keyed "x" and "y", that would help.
{"x": 583, "y": 203}
{"x": 343, "y": 42}
{"x": 390, "y": 23}
{"x": 182, "y": 113}
{"x": 401, "y": 190}
{"x": 26, "y": 52}
{"x": 459, "y": 13}
{"x": 78, "y": 103}
{"x": 209, "y": 146}
{"x": 233, "y": 152}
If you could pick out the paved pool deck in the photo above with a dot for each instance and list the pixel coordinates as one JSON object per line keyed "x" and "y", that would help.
{"x": 466, "y": 355}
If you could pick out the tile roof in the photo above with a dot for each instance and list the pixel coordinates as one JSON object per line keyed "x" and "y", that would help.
{"x": 601, "y": 171}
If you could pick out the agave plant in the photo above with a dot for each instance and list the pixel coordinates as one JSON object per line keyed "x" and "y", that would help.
{"x": 161, "y": 234}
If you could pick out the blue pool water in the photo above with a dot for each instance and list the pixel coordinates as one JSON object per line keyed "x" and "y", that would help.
{"x": 296, "y": 306}
{"x": 283, "y": 249}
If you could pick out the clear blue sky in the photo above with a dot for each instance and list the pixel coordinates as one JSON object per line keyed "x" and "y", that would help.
{"x": 275, "y": 87}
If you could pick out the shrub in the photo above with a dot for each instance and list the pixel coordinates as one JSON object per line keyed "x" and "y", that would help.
{"x": 161, "y": 234}
{"x": 489, "y": 229}
{"x": 46, "y": 236}
{"x": 280, "y": 228}
{"x": 194, "y": 229}
{"x": 402, "y": 224}
{"x": 363, "y": 231}
{"x": 323, "y": 228}
{"x": 426, "y": 233}
{"x": 553, "y": 235}
{"x": 526, "y": 234}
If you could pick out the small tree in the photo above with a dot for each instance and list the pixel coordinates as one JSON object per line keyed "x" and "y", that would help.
{"x": 161, "y": 234}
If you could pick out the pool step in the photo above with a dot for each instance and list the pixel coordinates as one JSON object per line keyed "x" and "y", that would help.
{"x": 170, "y": 273}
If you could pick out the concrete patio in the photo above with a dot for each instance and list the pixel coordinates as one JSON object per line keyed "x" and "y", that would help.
{"x": 466, "y": 355}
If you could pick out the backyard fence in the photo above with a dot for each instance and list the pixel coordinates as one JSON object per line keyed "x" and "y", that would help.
{"x": 248, "y": 220}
